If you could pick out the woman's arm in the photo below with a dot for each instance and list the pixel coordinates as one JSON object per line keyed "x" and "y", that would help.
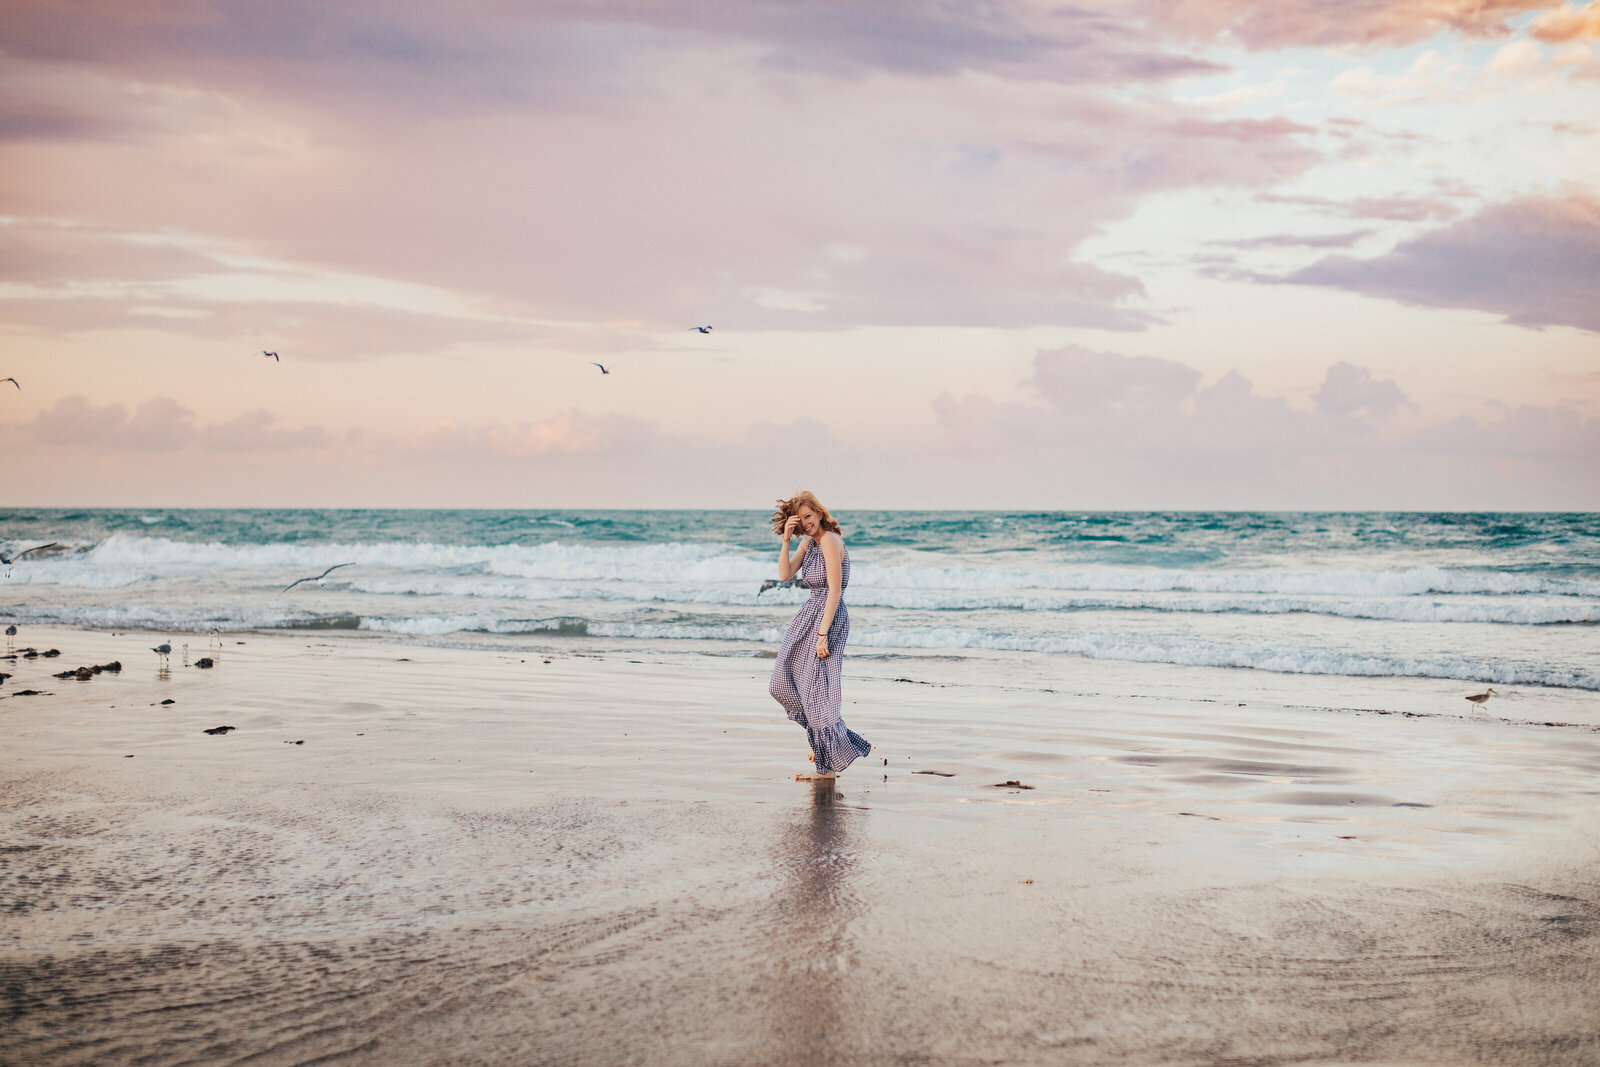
{"x": 786, "y": 566}
{"x": 833, "y": 560}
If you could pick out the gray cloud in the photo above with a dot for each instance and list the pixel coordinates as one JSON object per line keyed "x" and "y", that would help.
{"x": 1533, "y": 260}
{"x": 1349, "y": 390}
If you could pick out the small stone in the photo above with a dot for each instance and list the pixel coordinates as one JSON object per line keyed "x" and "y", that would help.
{"x": 204, "y": 662}
{"x": 115, "y": 666}
{"x": 52, "y": 654}
{"x": 220, "y": 729}
{"x": 169, "y": 700}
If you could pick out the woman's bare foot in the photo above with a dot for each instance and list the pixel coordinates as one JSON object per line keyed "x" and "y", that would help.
{"x": 816, "y": 776}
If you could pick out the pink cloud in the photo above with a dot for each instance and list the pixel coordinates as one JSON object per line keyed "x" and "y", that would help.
{"x": 160, "y": 424}
{"x": 1322, "y": 23}
{"x": 1568, "y": 23}
{"x": 1142, "y": 431}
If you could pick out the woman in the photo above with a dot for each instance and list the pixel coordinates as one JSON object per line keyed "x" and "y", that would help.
{"x": 806, "y": 680}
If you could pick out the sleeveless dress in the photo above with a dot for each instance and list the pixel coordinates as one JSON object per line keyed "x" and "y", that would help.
{"x": 809, "y": 687}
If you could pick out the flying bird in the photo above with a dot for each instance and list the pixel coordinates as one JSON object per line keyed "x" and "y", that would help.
{"x": 1481, "y": 699}
{"x": 316, "y": 578}
{"x": 701, "y": 329}
{"x": 773, "y": 583}
{"x": 13, "y": 381}
{"x": 9, "y": 560}
{"x": 603, "y": 370}
{"x": 274, "y": 355}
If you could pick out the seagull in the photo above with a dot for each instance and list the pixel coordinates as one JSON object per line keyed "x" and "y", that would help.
{"x": 316, "y": 578}
{"x": 11, "y": 631}
{"x": 1481, "y": 699}
{"x": 773, "y": 583}
{"x": 9, "y": 560}
{"x": 701, "y": 329}
{"x": 164, "y": 649}
{"x": 274, "y": 355}
{"x": 601, "y": 366}
{"x": 216, "y": 635}
{"x": 13, "y": 381}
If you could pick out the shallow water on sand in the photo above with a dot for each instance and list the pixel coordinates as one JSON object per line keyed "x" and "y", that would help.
{"x": 484, "y": 857}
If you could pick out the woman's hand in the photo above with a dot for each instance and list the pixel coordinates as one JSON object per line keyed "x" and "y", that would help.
{"x": 790, "y": 526}
{"x": 822, "y": 646}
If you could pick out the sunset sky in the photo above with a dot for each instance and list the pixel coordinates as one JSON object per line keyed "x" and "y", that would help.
{"x": 1187, "y": 254}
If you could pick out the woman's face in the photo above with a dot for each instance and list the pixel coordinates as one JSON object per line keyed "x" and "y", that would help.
{"x": 808, "y": 521}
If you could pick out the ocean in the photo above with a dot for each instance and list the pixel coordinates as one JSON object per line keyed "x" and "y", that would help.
{"x": 1504, "y": 599}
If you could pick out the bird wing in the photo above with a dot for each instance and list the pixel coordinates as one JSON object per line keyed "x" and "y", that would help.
{"x": 331, "y": 569}
{"x": 13, "y": 381}
{"x": 35, "y": 548}
{"x": 296, "y": 582}
{"x": 602, "y": 367}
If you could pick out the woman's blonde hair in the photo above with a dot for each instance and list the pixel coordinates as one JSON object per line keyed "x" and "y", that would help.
{"x": 804, "y": 498}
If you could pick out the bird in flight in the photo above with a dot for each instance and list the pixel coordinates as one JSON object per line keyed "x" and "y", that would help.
{"x": 773, "y": 583}
{"x": 13, "y": 381}
{"x": 602, "y": 367}
{"x": 317, "y": 577}
{"x": 274, "y": 355}
{"x": 9, "y": 560}
{"x": 701, "y": 329}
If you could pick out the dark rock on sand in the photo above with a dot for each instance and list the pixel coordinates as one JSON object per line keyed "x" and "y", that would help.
{"x": 3, "y": 677}
{"x": 941, "y": 774}
{"x": 52, "y": 654}
{"x": 29, "y": 693}
{"x": 220, "y": 729}
{"x": 204, "y": 662}
{"x": 115, "y": 666}
{"x": 301, "y": 742}
{"x": 169, "y": 700}
{"x": 1011, "y": 784}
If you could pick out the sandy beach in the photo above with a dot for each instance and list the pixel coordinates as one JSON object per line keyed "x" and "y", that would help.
{"x": 501, "y": 855}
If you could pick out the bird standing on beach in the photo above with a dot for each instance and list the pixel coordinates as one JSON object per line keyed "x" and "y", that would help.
{"x": 602, "y": 367}
{"x": 1482, "y": 698}
{"x": 318, "y": 578}
{"x": 164, "y": 649}
{"x": 9, "y": 560}
{"x": 13, "y": 381}
{"x": 274, "y": 355}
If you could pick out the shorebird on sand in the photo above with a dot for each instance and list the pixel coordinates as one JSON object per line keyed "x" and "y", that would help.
{"x": 1482, "y": 698}
{"x": 164, "y": 649}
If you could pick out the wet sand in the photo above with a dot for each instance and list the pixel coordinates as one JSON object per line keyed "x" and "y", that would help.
{"x": 484, "y": 857}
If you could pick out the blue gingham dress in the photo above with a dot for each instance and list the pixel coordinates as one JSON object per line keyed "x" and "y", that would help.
{"x": 808, "y": 687}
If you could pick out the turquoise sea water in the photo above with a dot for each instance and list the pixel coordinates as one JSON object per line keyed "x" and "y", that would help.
{"x": 1504, "y": 598}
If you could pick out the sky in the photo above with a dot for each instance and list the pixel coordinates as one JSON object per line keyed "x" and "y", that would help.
{"x": 1197, "y": 254}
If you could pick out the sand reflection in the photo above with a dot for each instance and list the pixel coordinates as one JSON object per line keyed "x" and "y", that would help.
{"x": 813, "y": 951}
